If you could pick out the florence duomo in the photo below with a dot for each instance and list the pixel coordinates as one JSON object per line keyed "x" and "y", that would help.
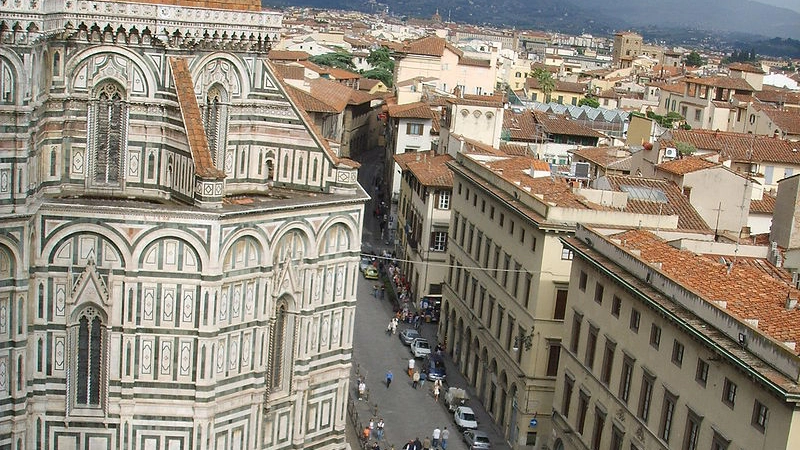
{"x": 178, "y": 245}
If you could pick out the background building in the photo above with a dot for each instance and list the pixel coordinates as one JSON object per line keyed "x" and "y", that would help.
{"x": 179, "y": 248}
{"x": 673, "y": 346}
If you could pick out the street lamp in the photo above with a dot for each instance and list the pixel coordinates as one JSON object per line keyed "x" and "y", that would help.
{"x": 526, "y": 340}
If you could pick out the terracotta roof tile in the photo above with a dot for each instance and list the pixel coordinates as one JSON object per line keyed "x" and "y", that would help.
{"x": 311, "y": 103}
{"x": 787, "y": 120}
{"x": 417, "y": 110}
{"x": 676, "y": 203}
{"x": 738, "y": 146}
{"x": 428, "y": 167}
{"x": 429, "y": 46}
{"x": 492, "y": 101}
{"x": 744, "y": 67}
{"x": 560, "y": 86}
{"x": 514, "y": 149}
{"x": 683, "y": 166}
{"x": 749, "y": 293}
{"x": 287, "y": 55}
{"x": 722, "y": 82}
{"x": 192, "y": 120}
{"x": 521, "y": 125}
{"x": 341, "y": 74}
{"x": 465, "y": 61}
{"x": 764, "y": 206}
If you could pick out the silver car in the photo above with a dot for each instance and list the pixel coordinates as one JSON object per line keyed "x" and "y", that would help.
{"x": 477, "y": 440}
{"x": 408, "y": 335}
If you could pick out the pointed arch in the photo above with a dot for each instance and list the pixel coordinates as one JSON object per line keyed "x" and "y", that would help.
{"x": 108, "y": 122}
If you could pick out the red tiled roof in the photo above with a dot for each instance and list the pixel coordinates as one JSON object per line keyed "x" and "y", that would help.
{"x": 743, "y": 67}
{"x": 289, "y": 72}
{"x": 341, "y": 74}
{"x": 429, "y": 46}
{"x": 686, "y": 165}
{"x": 560, "y": 86}
{"x": 521, "y": 126}
{"x": 738, "y": 146}
{"x": 192, "y": 120}
{"x": 492, "y": 101}
{"x": 677, "y": 88}
{"x": 722, "y": 82}
{"x": 676, "y": 204}
{"x": 764, "y": 206}
{"x": 310, "y": 103}
{"x": 428, "y": 167}
{"x": 514, "y": 149}
{"x": 787, "y": 120}
{"x": 465, "y": 61}
{"x": 749, "y": 293}
{"x": 287, "y": 55}
{"x": 777, "y": 96}
{"x": 417, "y": 110}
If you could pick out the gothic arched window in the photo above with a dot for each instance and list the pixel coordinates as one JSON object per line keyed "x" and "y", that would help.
{"x": 109, "y": 133}
{"x": 277, "y": 351}
{"x": 215, "y": 122}
{"x": 88, "y": 376}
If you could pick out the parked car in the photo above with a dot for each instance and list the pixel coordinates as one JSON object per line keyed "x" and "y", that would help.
{"x": 420, "y": 348}
{"x": 465, "y": 418}
{"x": 434, "y": 367}
{"x": 477, "y": 440}
{"x": 371, "y": 273}
{"x": 408, "y": 335}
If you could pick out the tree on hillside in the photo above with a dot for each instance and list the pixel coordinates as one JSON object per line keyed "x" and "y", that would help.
{"x": 340, "y": 60}
{"x": 546, "y": 81}
{"x": 694, "y": 59}
{"x": 589, "y": 101}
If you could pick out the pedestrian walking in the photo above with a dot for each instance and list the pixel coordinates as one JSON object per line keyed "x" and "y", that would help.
{"x": 417, "y": 444}
{"x": 422, "y": 377}
{"x": 375, "y": 290}
{"x": 445, "y": 436}
{"x": 436, "y": 393}
{"x": 411, "y": 363}
{"x": 426, "y": 443}
{"x": 362, "y": 389}
{"x": 379, "y": 428}
{"x": 371, "y": 428}
{"x": 437, "y": 433}
{"x": 409, "y": 446}
{"x": 389, "y": 377}
{"x": 415, "y": 379}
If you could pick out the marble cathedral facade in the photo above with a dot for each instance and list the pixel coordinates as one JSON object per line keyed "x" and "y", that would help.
{"x": 178, "y": 246}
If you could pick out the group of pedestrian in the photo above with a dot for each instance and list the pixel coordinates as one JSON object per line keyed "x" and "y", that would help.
{"x": 439, "y": 441}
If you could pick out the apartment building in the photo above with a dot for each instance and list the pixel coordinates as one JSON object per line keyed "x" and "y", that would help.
{"x": 628, "y": 46}
{"x": 409, "y": 129}
{"x": 505, "y": 292}
{"x": 670, "y": 349}
{"x": 433, "y": 56}
{"x": 424, "y": 218}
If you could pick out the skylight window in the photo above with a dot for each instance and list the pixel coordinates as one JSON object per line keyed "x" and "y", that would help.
{"x": 644, "y": 193}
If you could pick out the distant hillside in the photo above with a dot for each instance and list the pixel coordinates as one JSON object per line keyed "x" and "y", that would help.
{"x": 591, "y": 16}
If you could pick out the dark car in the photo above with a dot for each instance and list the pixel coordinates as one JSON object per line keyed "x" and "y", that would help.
{"x": 434, "y": 367}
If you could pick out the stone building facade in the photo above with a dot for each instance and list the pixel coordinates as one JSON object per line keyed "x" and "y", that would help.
{"x": 178, "y": 248}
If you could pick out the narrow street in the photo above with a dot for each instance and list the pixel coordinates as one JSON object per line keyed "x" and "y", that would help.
{"x": 407, "y": 412}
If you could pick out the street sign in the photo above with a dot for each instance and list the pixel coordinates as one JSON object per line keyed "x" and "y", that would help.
{"x": 534, "y": 422}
